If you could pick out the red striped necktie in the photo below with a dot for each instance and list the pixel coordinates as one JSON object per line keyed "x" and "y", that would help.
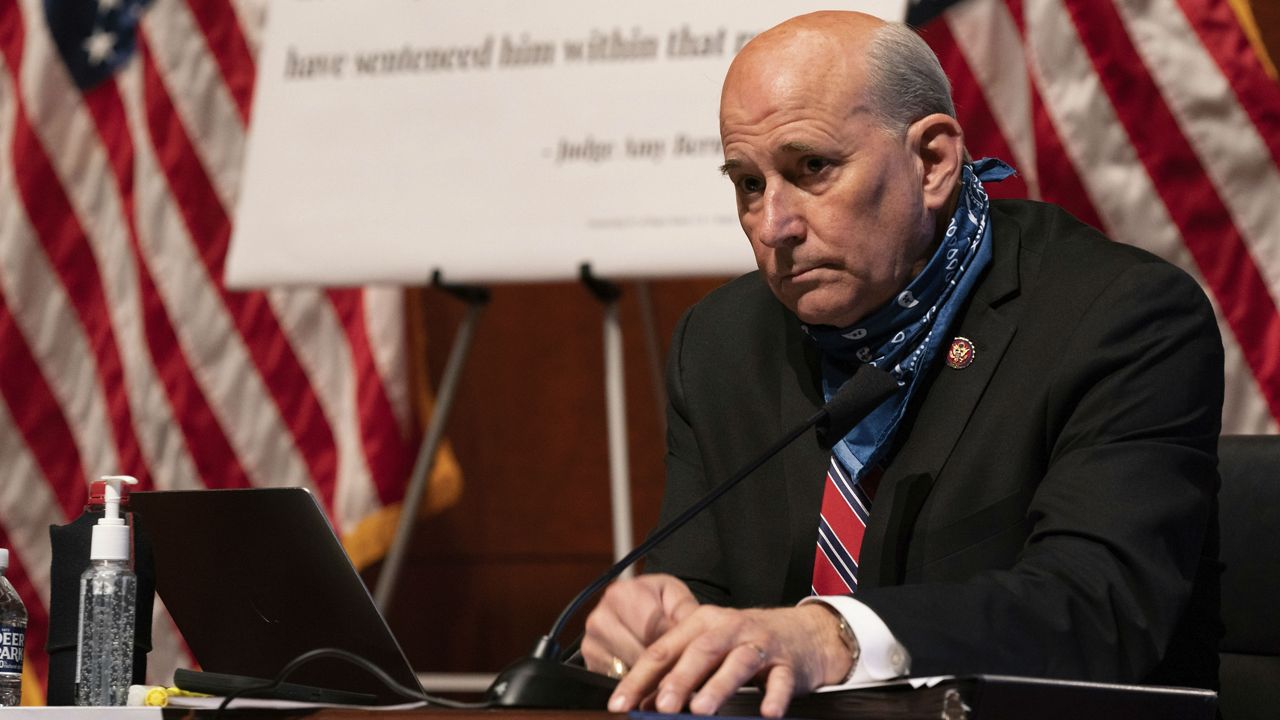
{"x": 846, "y": 506}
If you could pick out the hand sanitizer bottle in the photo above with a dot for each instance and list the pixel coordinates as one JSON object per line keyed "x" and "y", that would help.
{"x": 108, "y": 593}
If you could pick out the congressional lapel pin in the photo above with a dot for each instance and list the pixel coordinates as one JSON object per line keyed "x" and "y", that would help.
{"x": 961, "y": 353}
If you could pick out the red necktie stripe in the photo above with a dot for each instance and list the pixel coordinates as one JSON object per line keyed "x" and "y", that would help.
{"x": 843, "y": 521}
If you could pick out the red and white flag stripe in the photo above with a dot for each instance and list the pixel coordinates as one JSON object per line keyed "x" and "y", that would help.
{"x": 120, "y": 348}
{"x": 1154, "y": 120}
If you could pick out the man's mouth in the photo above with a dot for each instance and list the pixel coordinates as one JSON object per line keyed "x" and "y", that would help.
{"x": 802, "y": 273}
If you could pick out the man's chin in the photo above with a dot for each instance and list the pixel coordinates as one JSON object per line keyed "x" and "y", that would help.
{"x": 817, "y": 303}
{"x": 830, "y": 314}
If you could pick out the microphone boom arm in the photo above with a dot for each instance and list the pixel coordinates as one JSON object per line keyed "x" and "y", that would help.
{"x": 657, "y": 536}
{"x": 540, "y": 680}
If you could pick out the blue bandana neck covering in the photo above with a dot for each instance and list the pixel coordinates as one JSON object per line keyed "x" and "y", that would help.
{"x": 904, "y": 336}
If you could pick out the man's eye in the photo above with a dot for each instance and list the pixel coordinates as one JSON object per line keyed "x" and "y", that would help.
{"x": 751, "y": 185}
{"x": 815, "y": 165}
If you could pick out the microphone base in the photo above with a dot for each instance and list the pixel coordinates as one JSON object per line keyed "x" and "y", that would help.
{"x": 539, "y": 683}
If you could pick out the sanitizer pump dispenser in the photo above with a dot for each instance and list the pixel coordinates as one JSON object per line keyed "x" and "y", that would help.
{"x": 108, "y": 601}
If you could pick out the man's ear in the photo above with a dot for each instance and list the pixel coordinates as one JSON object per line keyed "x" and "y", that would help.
{"x": 938, "y": 142}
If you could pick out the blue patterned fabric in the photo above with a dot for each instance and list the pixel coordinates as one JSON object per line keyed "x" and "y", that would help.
{"x": 904, "y": 336}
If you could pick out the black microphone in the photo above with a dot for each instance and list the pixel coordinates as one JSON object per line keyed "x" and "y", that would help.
{"x": 542, "y": 681}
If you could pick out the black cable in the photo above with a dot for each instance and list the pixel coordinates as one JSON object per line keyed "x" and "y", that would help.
{"x": 366, "y": 665}
{"x": 572, "y": 653}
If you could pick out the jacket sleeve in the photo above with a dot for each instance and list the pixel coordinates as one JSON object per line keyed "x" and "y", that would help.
{"x": 693, "y": 552}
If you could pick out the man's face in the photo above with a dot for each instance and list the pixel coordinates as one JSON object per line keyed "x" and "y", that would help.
{"x": 831, "y": 202}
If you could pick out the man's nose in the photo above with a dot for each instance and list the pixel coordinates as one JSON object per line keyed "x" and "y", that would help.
{"x": 781, "y": 222}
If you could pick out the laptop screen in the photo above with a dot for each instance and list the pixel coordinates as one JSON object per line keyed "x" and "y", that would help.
{"x": 255, "y": 577}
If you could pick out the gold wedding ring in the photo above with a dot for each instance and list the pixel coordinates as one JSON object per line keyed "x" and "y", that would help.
{"x": 617, "y": 668}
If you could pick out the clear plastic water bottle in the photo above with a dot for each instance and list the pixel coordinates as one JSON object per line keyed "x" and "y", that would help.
{"x": 13, "y": 636}
{"x": 108, "y": 600}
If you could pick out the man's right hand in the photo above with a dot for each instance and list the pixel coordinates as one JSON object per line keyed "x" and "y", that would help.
{"x": 631, "y": 615}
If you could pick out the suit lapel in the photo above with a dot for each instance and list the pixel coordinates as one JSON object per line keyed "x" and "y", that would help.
{"x": 945, "y": 411}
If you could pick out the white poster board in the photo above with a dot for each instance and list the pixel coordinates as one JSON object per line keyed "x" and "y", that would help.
{"x": 493, "y": 140}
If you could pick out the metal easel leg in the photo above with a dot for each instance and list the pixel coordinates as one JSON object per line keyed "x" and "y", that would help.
{"x": 649, "y": 321}
{"x": 615, "y": 413}
{"x": 476, "y": 298}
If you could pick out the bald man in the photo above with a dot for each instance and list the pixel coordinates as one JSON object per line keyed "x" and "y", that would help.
{"x": 1039, "y": 496}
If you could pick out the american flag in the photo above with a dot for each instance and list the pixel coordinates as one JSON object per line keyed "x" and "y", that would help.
{"x": 122, "y": 126}
{"x": 1157, "y": 121}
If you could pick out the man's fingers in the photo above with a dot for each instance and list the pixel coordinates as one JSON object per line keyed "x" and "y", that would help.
{"x": 741, "y": 664}
{"x": 607, "y": 637}
{"x": 642, "y": 678}
{"x": 632, "y": 614}
{"x": 654, "y": 665}
{"x": 600, "y": 658}
{"x": 780, "y": 685}
{"x": 700, "y": 660}
{"x": 698, "y": 649}
{"x": 679, "y": 603}
{"x": 594, "y": 655}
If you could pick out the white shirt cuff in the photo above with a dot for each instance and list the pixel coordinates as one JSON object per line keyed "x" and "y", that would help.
{"x": 881, "y": 656}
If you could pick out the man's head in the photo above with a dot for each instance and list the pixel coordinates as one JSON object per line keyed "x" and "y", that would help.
{"x": 841, "y": 142}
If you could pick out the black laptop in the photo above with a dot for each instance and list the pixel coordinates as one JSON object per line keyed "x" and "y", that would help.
{"x": 253, "y": 578}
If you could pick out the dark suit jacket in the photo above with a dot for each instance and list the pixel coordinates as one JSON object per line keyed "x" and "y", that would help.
{"x": 1049, "y": 510}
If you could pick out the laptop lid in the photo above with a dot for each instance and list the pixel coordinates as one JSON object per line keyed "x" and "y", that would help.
{"x": 255, "y": 577}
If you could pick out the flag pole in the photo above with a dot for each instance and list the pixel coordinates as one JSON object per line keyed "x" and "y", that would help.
{"x": 477, "y": 298}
